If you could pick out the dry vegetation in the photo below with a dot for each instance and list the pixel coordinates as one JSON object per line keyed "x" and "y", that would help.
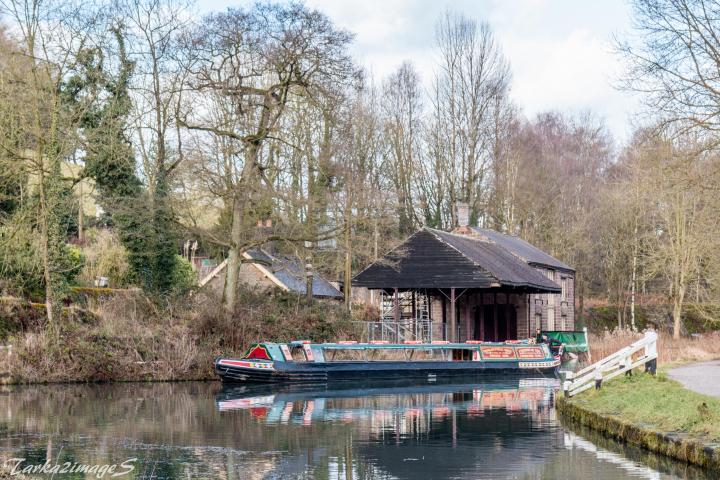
{"x": 126, "y": 337}
{"x": 696, "y": 348}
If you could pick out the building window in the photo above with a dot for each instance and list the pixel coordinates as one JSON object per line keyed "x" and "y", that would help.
{"x": 564, "y": 285}
{"x": 551, "y": 319}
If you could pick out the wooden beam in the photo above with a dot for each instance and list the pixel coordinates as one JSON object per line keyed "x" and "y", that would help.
{"x": 508, "y": 317}
{"x": 482, "y": 316}
{"x": 444, "y": 317}
{"x": 495, "y": 318}
{"x": 453, "y": 316}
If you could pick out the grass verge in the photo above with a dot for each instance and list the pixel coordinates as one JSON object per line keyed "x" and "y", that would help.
{"x": 654, "y": 412}
{"x": 657, "y": 402}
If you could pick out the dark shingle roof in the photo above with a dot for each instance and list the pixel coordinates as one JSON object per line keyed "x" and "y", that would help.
{"x": 521, "y": 248}
{"x": 507, "y": 268}
{"x": 435, "y": 259}
{"x": 289, "y": 271}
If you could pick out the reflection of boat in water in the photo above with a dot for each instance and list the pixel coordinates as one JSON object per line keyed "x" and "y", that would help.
{"x": 305, "y": 362}
{"x": 482, "y": 429}
{"x": 305, "y": 404}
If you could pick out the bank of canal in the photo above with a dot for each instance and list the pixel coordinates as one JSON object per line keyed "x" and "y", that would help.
{"x": 653, "y": 412}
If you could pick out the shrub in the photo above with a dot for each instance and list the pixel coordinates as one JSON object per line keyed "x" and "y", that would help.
{"x": 73, "y": 262}
{"x": 105, "y": 257}
{"x": 126, "y": 336}
{"x": 183, "y": 276}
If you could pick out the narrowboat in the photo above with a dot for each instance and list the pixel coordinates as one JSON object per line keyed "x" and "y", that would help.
{"x": 322, "y": 363}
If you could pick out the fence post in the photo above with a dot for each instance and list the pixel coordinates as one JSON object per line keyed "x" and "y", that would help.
{"x": 566, "y": 388}
{"x": 624, "y": 362}
{"x": 651, "y": 351}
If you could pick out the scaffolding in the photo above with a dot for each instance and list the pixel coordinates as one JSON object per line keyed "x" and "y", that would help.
{"x": 412, "y": 322}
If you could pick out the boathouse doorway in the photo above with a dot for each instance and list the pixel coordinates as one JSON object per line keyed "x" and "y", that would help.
{"x": 495, "y": 323}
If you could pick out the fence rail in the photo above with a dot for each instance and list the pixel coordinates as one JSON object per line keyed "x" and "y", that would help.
{"x": 642, "y": 352}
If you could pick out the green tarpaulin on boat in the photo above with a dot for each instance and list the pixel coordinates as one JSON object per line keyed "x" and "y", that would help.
{"x": 574, "y": 341}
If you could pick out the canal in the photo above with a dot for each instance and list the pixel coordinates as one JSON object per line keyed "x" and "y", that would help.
{"x": 200, "y": 430}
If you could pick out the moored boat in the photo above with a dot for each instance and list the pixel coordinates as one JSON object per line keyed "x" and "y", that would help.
{"x": 320, "y": 363}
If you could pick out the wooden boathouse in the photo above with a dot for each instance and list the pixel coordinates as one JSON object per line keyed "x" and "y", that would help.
{"x": 469, "y": 284}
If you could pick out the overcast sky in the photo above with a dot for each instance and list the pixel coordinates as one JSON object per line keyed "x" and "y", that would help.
{"x": 560, "y": 51}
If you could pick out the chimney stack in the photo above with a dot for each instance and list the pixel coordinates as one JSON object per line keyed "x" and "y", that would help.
{"x": 463, "y": 214}
{"x": 463, "y": 218}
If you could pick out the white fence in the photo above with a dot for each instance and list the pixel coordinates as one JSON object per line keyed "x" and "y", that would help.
{"x": 642, "y": 352}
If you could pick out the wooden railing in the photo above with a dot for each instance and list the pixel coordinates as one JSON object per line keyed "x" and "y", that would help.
{"x": 642, "y": 352}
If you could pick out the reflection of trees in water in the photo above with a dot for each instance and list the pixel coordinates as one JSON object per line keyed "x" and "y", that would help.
{"x": 172, "y": 428}
{"x": 176, "y": 430}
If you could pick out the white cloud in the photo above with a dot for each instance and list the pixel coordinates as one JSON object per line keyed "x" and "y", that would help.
{"x": 560, "y": 51}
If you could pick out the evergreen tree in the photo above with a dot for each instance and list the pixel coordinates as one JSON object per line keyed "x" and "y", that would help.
{"x": 144, "y": 225}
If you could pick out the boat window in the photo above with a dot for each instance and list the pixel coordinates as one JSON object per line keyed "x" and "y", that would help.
{"x": 298, "y": 354}
{"x": 461, "y": 355}
{"x": 380, "y": 354}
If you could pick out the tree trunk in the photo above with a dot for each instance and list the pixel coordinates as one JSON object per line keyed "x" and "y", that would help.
{"x": 231, "y": 279}
{"x": 633, "y": 281}
{"x": 677, "y": 311}
{"x": 348, "y": 256}
{"x": 234, "y": 258}
{"x": 81, "y": 215}
{"x": 244, "y": 193}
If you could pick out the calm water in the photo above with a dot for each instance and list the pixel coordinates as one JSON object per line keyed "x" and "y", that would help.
{"x": 199, "y": 430}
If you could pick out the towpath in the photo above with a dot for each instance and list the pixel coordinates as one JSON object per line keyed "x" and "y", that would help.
{"x": 699, "y": 377}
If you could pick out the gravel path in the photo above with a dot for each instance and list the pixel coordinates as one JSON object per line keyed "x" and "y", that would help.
{"x": 699, "y": 377}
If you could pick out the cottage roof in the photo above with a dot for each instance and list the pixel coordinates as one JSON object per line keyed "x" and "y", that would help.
{"x": 436, "y": 259}
{"x": 289, "y": 271}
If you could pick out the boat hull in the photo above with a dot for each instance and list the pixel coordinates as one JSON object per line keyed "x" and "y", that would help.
{"x": 242, "y": 371}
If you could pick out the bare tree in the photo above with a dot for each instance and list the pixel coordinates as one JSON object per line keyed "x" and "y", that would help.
{"x": 259, "y": 60}
{"x": 472, "y": 74}
{"x": 402, "y": 109}
{"x": 675, "y": 63}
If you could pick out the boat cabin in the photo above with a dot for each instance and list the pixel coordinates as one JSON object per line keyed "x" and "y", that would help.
{"x": 439, "y": 350}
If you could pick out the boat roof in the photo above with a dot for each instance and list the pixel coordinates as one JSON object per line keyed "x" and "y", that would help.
{"x": 401, "y": 346}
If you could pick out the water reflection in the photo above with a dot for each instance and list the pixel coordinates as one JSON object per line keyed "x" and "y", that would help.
{"x": 200, "y": 430}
